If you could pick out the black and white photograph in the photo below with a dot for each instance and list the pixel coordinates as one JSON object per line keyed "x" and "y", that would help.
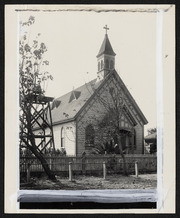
{"x": 90, "y": 113}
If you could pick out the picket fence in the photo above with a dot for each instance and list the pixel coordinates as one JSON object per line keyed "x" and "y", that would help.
{"x": 91, "y": 164}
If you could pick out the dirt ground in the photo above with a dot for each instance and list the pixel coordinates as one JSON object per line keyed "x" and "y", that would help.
{"x": 144, "y": 181}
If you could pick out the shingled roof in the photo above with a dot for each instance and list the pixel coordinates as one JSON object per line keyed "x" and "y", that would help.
{"x": 106, "y": 47}
{"x": 67, "y": 107}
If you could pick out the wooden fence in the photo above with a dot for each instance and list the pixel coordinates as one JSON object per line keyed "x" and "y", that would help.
{"x": 91, "y": 164}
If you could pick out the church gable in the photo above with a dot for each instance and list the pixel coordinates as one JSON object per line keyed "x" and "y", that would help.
{"x": 131, "y": 110}
{"x": 95, "y": 111}
{"x": 130, "y": 106}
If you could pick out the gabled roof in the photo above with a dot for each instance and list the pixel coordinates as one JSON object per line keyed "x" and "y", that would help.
{"x": 106, "y": 47}
{"x": 68, "y": 110}
{"x": 128, "y": 94}
{"x": 74, "y": 95}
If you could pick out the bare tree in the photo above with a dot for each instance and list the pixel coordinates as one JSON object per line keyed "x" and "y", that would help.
{"x": 107, "y": 119}
{"x": 32, "y": 81}
{"x": 114, "y": 105}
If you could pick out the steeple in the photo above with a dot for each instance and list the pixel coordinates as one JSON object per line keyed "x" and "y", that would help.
{"x": 105, "y": 57}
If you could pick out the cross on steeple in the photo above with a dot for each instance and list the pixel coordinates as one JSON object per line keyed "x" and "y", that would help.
{"x": 106, "y": 28}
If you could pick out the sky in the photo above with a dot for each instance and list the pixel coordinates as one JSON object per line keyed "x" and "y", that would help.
{"x": 73, "y": 40}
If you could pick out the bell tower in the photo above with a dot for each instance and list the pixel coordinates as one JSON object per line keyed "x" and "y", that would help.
{"x": 105, "y": 57}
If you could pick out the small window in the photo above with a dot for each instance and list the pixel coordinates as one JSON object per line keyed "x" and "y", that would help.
{"x": 99, "y": 66}
{"x": 102, "y": 65}
{"x": 122, "y": 123}
{"x": 112, "y": 64}
{"x": 62, "y": 137}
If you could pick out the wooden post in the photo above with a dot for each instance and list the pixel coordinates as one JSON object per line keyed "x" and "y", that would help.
{"x": 84, "y": 163}
{"x": 104, "y": 170}
{"x": 28, "y": 172}
{"x": 136, "y": 169}
{"x": 50, "y": 162}
{"x": 70, "y": 171}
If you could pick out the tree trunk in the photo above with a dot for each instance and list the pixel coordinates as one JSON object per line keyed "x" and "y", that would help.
{"x": 32, "y": 146}
{"x": 44, "y": 163}
{"x": 125, "y": 171}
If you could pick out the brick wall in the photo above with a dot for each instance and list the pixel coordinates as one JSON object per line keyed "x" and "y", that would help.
{"x": 95, "y": 112}
{"x": 91, "y": 116}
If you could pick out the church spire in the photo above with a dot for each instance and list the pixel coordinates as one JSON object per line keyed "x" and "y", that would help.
{"x": 105, "y": 57}
{"x": 106, "y": 47}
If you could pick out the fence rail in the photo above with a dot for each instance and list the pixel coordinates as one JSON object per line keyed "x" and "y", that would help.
{"x": 91, "y": 164}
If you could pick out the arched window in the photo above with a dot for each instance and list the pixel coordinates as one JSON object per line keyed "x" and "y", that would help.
{"x": 99, "y": 66}
{"x": 89, "y": 134}
{"x": 107, "y": 64}
{"x": 102, "y": 64}
{"x": 62, "y": 137}
{"x": 112, "y": 64}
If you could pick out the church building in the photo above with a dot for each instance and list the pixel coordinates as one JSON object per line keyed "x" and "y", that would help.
{"x": 77, "y": 116}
